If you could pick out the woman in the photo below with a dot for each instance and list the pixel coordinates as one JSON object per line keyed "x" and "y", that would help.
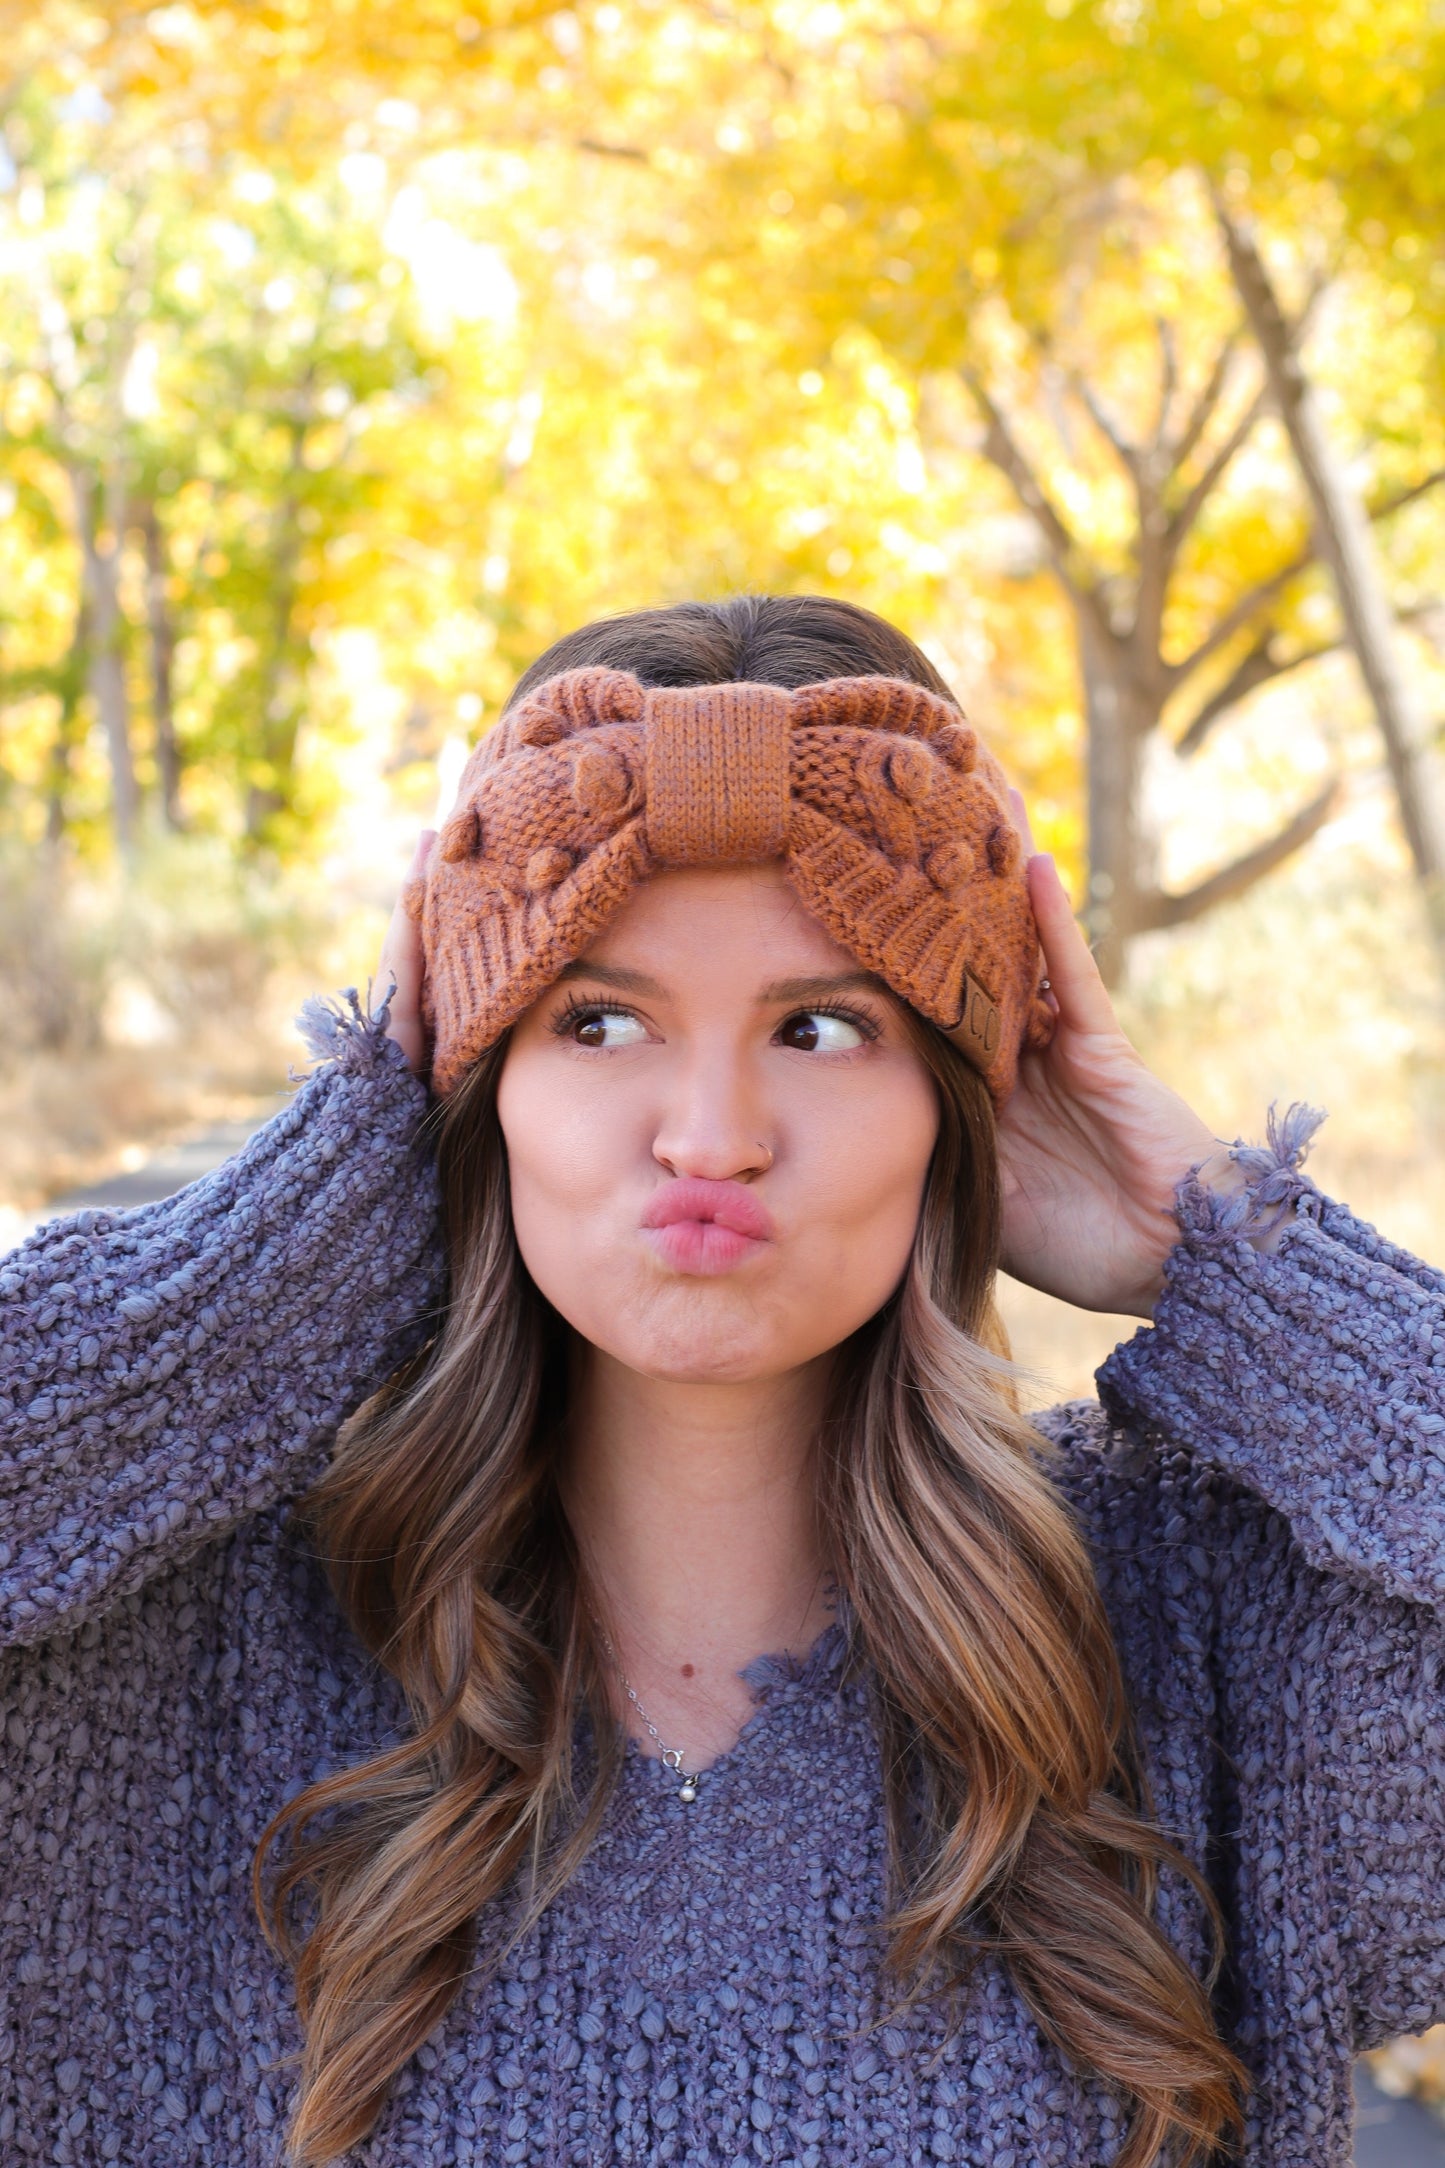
{"x": 695, "y": 1717}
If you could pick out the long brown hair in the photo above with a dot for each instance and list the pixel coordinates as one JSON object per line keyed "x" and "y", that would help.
{"x": 1017, "y": 1807}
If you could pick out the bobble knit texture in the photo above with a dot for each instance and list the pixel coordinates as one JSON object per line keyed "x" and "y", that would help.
{"x": 1262, "y": 1490}
{"x": 890, "y": 817}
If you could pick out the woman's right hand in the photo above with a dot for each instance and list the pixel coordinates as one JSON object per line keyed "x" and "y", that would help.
{"x": 402, "y": 963}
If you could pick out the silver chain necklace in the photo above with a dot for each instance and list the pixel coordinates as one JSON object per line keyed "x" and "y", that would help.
{"x": 672, "y": 1756}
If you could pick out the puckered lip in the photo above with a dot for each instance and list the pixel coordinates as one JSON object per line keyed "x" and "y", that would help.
{"x": 711, "y": 1204}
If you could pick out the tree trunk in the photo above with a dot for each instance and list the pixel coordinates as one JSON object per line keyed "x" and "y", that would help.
{"x": 107, "y": 663}
{"x": 1126, "y": 679}
{"x": 163, "y": 650}
{"x": 1120, "y": 858}
{"x": 1344, "y": 541}
{"x": 280, "y": 696}
{"x": 71, "y": 682}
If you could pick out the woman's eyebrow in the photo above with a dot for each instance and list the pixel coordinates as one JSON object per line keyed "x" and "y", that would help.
{"x": 822, "y": 989}
{"x": 819, "y": 988}
{"x": 626, "y": 982}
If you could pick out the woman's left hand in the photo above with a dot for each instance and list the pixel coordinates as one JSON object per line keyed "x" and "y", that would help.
{"x": 1091, "y": 1144}
{"x": 403, "y": 966}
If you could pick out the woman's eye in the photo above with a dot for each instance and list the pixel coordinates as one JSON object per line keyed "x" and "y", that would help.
{"x": 814, "y": 1031}
{"x": 605, "y": 1028}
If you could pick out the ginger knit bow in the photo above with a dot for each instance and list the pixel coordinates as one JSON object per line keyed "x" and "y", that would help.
{"x": 891, "y": 819}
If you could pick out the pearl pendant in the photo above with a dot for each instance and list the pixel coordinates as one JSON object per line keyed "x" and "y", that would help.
{"x": 688, "y": 1792}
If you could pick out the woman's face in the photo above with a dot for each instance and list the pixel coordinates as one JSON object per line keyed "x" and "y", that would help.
{"x": 718, "y": 1130}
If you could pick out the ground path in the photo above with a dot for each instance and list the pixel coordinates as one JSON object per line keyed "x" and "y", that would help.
{"x": 1389, "y": 2133}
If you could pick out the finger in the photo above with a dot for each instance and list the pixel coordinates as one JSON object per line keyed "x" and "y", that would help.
{"x": 1083, "y": 999}
{"x": 402, "y": 966}
{"x": 401, "y": 947}
{"x": 1020, "y": 813}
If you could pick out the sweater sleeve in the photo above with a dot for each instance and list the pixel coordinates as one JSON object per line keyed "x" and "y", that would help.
{"x": 1315, "y": 1378}
{"x": 168, "y": 1370}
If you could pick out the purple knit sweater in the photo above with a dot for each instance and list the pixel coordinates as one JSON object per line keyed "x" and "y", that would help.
{"x": 1263, "y": 1490}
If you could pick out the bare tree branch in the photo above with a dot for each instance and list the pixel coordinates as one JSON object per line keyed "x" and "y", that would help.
{"x": 1249, "y": 604}
{"x": 1240, "y": 613}
{"x": 1128, "y": 454}
{"x": 1186, "y": 513}
{"x": 1202, "y": 412}
{"x": 613, "y": 150}
{"x": 1342, "y": 537}
{"x": 1162, "y": 910}
{"x": 1402, "y": 497}
{"x": 1056, "y": 406}
{"x": 1168, "y": 384}
{"x": 1261, "y": 666}
{"x": 1002, "y": 448}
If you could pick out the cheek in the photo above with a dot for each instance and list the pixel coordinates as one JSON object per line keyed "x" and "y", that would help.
{"x": 566, "y": 1153}
{"x": 863, "y": 1180}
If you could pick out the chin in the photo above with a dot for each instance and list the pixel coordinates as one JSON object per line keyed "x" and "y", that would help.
{"x": 689, "y": 1337}
{"x": 700, "y": 1366}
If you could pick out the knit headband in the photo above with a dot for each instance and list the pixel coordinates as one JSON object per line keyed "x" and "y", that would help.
{"x": 891, "y": 821}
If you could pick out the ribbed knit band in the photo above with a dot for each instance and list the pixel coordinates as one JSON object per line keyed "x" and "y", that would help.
{"x": 717, "y": 774}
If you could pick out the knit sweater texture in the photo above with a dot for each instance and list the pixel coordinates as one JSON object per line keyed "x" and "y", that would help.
{"x": 1263, "y": 1490}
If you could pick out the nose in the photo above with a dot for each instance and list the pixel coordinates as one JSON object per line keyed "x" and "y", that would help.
{"x": 714, "y": 1126}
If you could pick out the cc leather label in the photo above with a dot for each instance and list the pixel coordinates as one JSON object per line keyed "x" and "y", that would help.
{"x": 979, "y": 1027}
